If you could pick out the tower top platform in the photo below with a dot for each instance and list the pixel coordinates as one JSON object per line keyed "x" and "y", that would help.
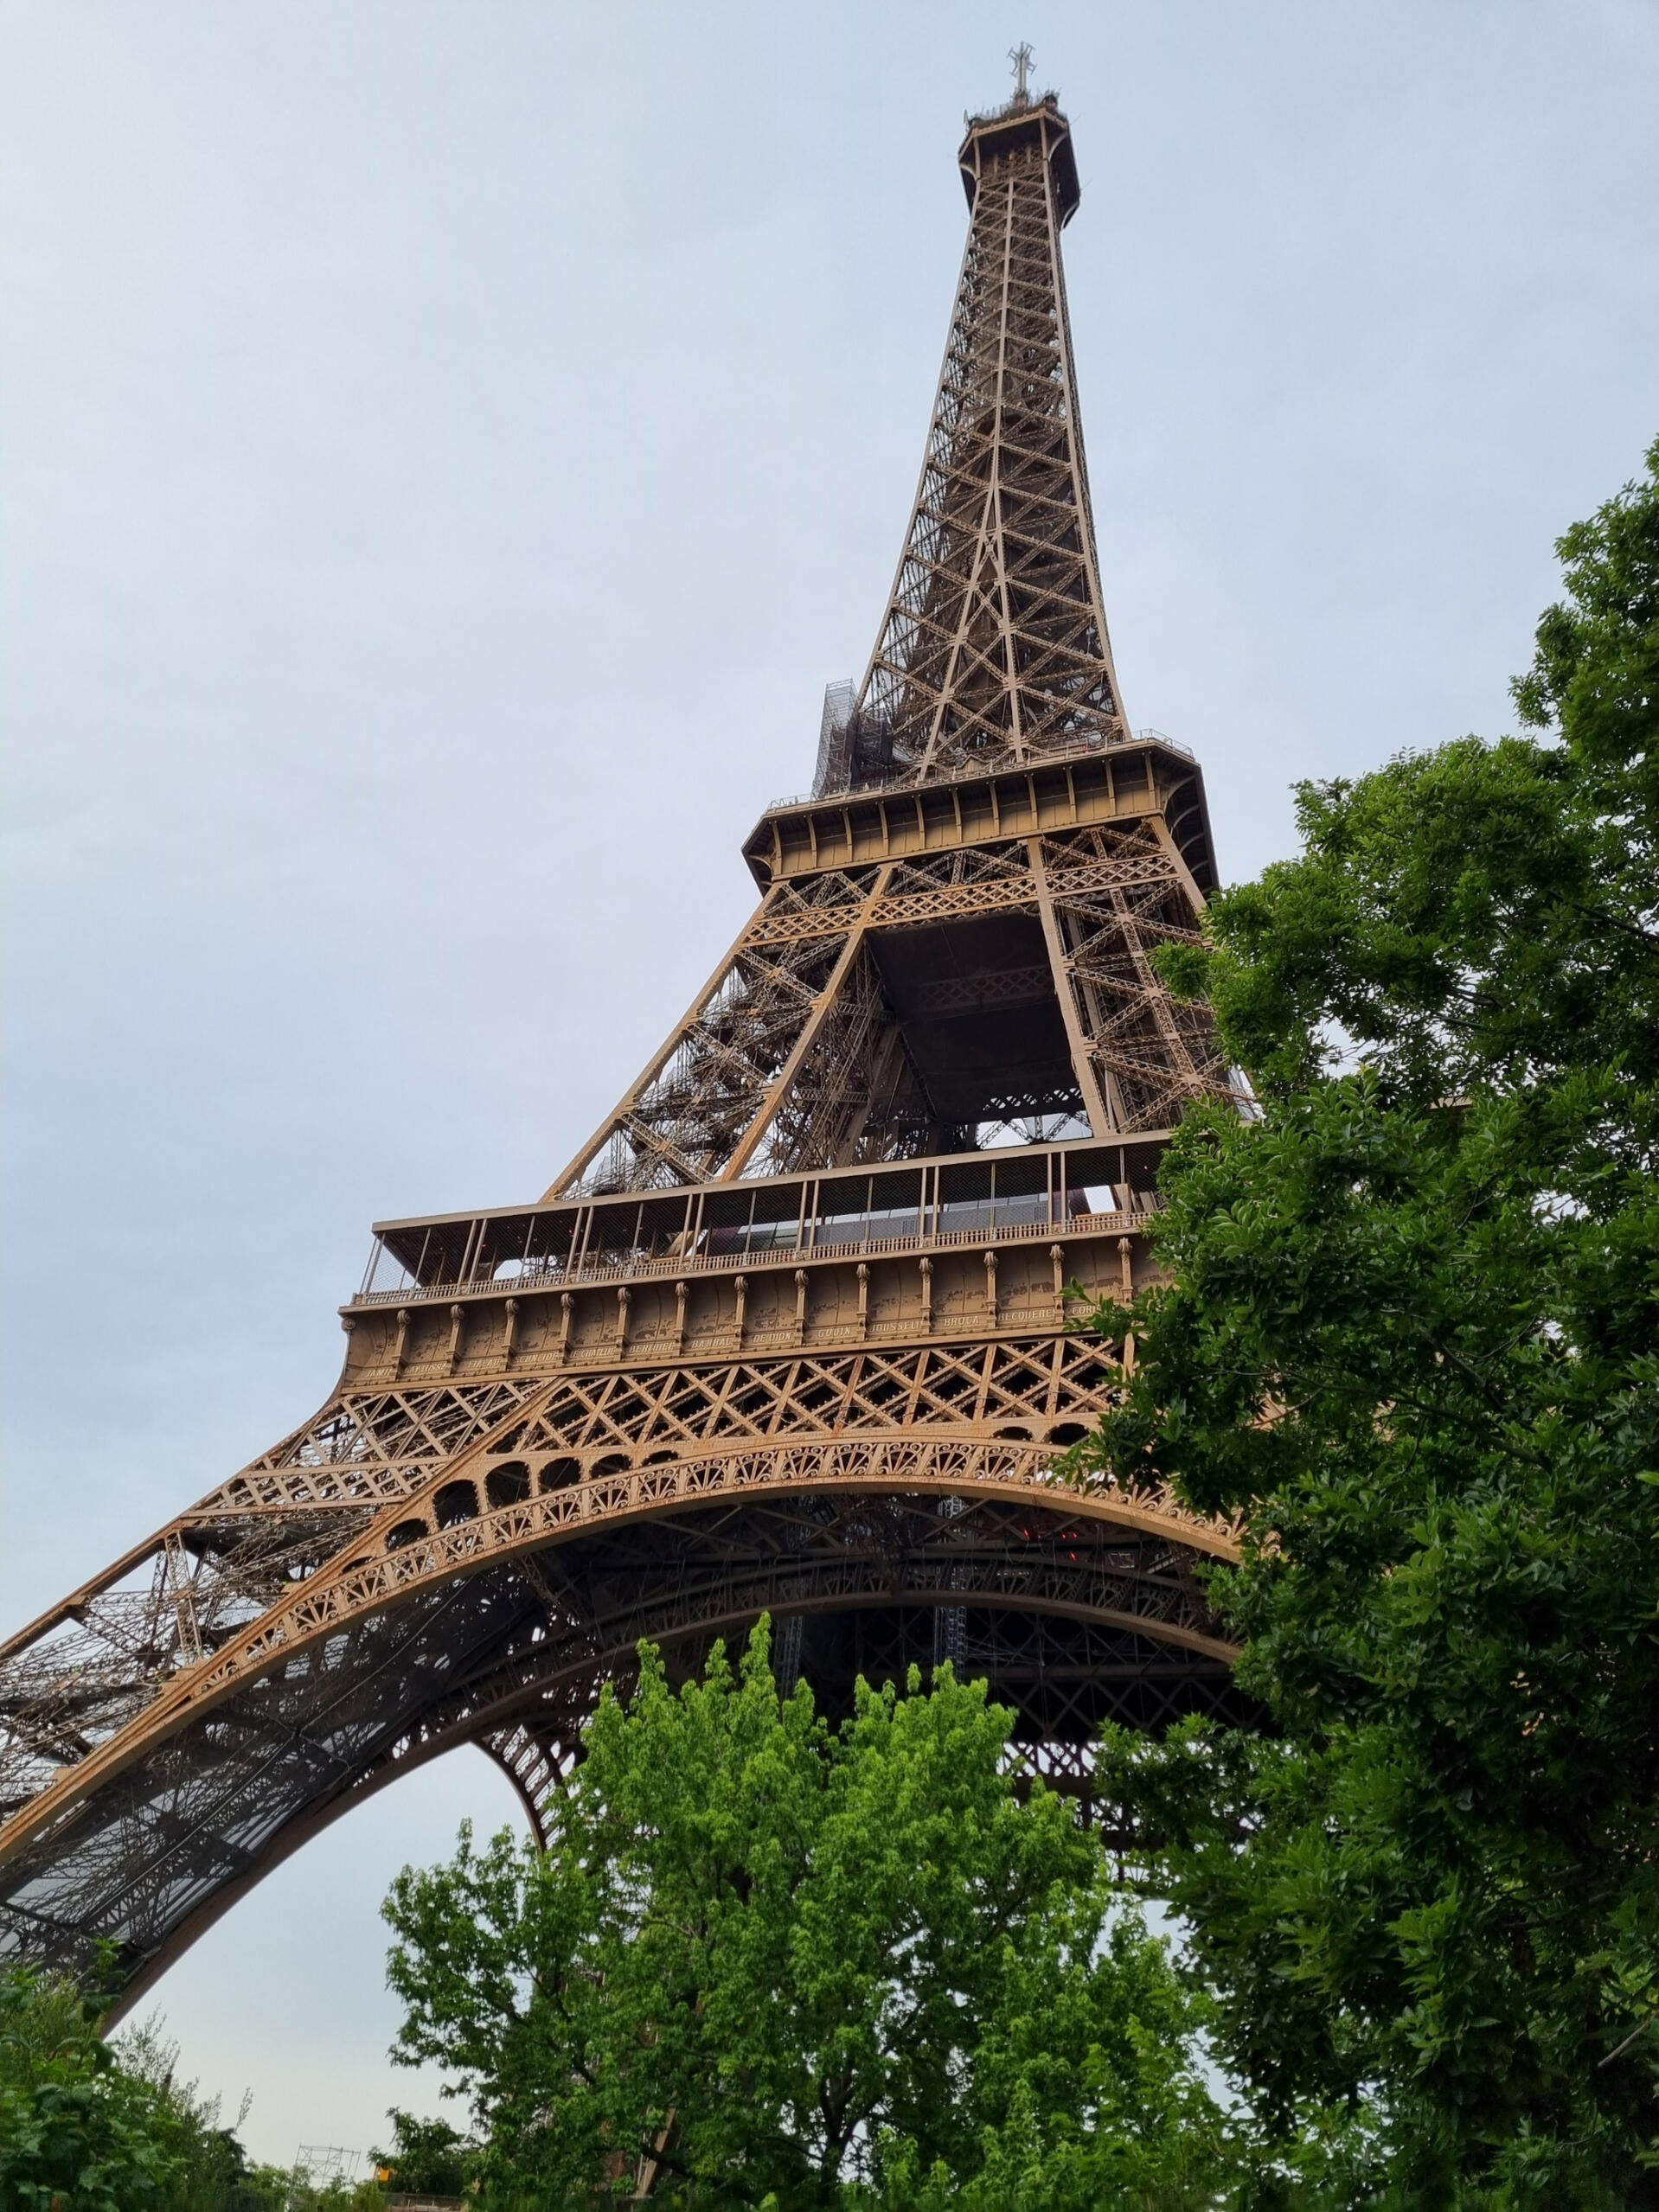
{"x": 1022, "y": 123}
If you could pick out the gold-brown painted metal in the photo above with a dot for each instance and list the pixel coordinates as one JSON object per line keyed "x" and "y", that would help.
{"x": 794, "y": 1331}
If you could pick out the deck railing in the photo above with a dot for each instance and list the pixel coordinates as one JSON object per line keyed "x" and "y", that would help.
{"x": 1039, "y": 757}
{"x": 553, "y": 1275}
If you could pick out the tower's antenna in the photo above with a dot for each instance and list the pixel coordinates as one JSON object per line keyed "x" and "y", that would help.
{"x": 1021, "y": 57}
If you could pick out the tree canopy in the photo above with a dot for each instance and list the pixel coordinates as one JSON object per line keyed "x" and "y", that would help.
{"x": 766, "y": 1961}
{"x": 88, "y": 2125}
{"x": 428, "y": 2157}
{"x": 75, "y": 2129}
{"x": 1412, "y": 1329}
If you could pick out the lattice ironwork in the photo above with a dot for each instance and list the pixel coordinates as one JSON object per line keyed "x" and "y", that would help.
{"x": 994, "y": 646}
{"x": 522, "y": 1648}
{"x": 768, "y": 1077}
{"x": 792, "y": 1333}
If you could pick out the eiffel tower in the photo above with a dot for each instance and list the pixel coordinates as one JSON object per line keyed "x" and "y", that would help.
{"x": 793, "y": 1332}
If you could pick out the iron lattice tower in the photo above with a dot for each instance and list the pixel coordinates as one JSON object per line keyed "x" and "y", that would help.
{"x": 791, "y": 1333}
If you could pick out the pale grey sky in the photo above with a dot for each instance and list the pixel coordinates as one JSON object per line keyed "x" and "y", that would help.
{"x": 446, "y": 449}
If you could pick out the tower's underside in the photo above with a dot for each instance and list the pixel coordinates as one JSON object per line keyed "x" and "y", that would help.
{"x": 796, "y": 1330}
{"x": 467, "y": 1540}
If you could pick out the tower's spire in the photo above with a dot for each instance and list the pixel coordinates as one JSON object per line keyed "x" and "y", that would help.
{"x": 994, "y": 648}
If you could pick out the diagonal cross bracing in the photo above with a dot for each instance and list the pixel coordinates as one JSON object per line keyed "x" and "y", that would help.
{"x": 994, "y": 645}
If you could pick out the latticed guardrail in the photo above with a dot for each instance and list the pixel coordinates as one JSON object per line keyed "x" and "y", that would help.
{"x": 553, "y": 1274}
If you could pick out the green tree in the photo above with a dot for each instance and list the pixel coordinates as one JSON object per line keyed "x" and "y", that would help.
{"x": 428, "y": 2157}
{"x": 1414, "y": 1335}
{"x": 297, "y": 2192}
{"x": 208, "y": 2167}
{"x": 769, "y": 1959}
{"x": 268, "y": 2188}
{"x": 90, "y": 2125}
{"x": 77, "y": 2134}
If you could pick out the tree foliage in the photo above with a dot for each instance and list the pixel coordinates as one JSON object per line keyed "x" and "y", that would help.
{"x": 763, "y": 1960}
{"x": 428, "y": 2157}
{"x": 88, "y": 2125}
{"x": 75, "y": 2132}
{"x": 93, "y": 2126}
{"x": 1413, "y": 1332}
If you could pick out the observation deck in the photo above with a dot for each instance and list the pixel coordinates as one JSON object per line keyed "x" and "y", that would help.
{"x": 1024, "y": 123}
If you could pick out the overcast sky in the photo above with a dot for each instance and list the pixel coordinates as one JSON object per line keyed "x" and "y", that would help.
{"x": 447, "y": 448}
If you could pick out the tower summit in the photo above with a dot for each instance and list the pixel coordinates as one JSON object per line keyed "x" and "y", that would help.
{"x": 993, "y": 650}
{"x": 793, "y": 1332}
